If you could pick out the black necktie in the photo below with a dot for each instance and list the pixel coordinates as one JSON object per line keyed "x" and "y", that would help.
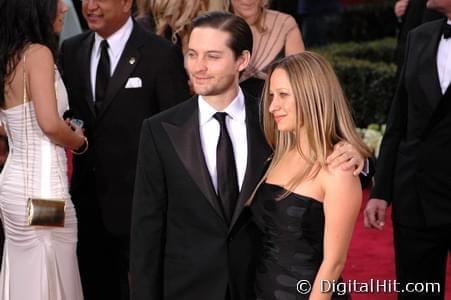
{"x": 226, "y": 169}
{"x": 446, "y": 29}
{"x": 102, "y": 75}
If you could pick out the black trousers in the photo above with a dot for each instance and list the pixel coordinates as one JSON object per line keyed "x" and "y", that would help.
{"x": 421, "y": 257}
{"x": 103, "y": 257}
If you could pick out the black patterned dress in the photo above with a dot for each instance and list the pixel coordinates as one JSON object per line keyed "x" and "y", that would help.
{"x": 293, "y": 230}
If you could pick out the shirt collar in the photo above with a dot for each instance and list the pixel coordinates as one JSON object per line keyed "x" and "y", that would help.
{"x": 117, "y": 40}
{"x": 236, "y": 109}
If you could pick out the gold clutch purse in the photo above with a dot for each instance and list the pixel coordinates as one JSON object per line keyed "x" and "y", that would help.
{"x": 46, "y": 212}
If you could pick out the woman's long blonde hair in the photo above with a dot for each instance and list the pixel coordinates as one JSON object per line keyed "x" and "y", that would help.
{"x": 174, "y": 14}
{"x": 322, "y": 112}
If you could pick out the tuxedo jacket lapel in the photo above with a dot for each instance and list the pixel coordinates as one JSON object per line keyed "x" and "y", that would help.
{"x": 127, "y": 63}
{"x": 258, "y": 154}
{"x": 428, "y": 72}
{"x": 185, "y": 137}
{"x": 86, "y": 71}
{"x": 184, "y": 134}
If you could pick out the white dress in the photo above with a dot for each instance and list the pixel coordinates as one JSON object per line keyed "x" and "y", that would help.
{"x": 39, "y": 263}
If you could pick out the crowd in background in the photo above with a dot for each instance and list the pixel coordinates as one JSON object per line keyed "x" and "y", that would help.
{"x": 171, "y": 19}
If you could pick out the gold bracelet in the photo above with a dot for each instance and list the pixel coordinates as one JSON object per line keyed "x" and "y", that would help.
{"x": 85, "y": 144}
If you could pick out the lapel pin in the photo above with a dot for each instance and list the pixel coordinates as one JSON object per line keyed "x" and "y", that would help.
{"x": 132, "y": 61}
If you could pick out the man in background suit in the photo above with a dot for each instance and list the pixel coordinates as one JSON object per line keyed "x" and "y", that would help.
{"x": 413, "y": 171}
{"x": 198, "y": 164}
{"x": 116, "y": 76}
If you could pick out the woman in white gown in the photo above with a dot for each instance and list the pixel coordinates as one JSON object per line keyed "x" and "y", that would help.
{"x": 39, "y": 263}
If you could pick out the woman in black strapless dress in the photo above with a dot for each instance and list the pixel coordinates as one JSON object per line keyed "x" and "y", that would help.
{"x": 305, "y": 209}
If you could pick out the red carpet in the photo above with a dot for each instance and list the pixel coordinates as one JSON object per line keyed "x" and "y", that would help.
{"x": 371, "y": 256}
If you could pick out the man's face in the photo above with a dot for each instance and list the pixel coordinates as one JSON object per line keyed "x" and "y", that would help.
{"x": 443, "y": 6}
{"x": 106, "y": 16}
{"x": 211, "y": 64}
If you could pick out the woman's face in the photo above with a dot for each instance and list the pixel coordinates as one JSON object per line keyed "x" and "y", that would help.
{"x": 283, "y": 102}
{"x": 248, "y": 9}
{"x": 61, "y": 10}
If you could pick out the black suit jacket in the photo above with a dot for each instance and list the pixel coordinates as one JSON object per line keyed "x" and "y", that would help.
{"x": 413, "y": 170}
{"x": 104, "y": 176}
{"x": 181, "y": 246}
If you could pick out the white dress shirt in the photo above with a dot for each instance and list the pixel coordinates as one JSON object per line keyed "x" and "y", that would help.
{"x": 209, "y": 135}
{"x": 116, "y": 43}
{"x": 444, "y": 62}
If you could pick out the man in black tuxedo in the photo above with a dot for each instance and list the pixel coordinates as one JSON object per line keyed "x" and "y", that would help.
{"x": 413, "y": 169}
{"x": 185, "y": 243}
{"x": 198, "y": 164}
{"x": 116, "y": 75}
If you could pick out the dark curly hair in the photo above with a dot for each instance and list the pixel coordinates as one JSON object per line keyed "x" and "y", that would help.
{"x": 23, "y": 22}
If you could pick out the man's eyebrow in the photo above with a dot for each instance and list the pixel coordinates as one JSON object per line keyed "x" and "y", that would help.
{"x": 208, "y": 51}
{"x": 214, "y": 52}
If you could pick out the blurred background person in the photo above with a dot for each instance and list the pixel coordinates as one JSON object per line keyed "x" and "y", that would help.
{"x": 275, "y": 35}
{"x": 39, "y": 263}
{"x": 171, "y": 19}
{"x": 305, "y": 209}
{"x": 401, "y": 7}
{"x": 218, "y": 5}
{"x": 78, "y": 8}
{"x": 410, "y": 14}
{"x": 319, "y": 21}
{"x": 72, "y": 24}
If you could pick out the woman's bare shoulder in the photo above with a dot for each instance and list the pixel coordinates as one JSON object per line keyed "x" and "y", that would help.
{"x": 38, "y": 54}
{"x": 336, "y": 176}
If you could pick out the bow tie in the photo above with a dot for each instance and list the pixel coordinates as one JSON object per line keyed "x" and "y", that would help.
{"x": 446, "y": 30}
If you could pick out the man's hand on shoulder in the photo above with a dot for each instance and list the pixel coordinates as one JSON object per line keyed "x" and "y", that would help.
{"x": 347, "y": 157}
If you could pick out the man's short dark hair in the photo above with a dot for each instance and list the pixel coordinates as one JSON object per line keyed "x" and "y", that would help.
{"x": 240, "y": 32}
